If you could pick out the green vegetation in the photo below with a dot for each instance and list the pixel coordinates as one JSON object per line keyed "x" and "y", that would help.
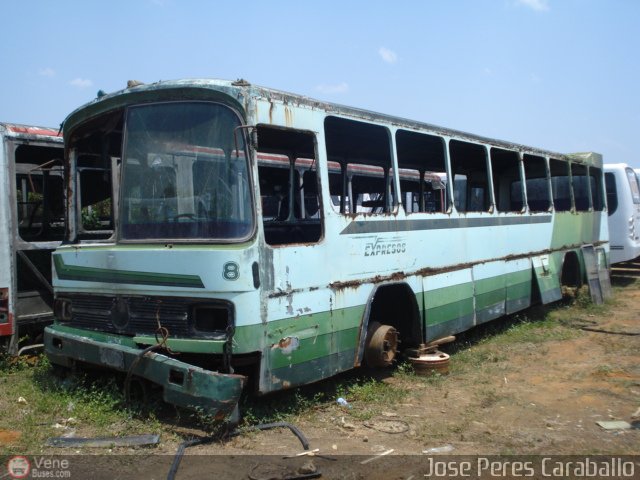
{"x": 93, "y": 216}
{"x": 40, "y": 405}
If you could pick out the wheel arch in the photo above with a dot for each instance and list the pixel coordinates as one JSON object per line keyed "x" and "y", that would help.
{"x": 392, "y": 304}
{"x": 572, "y": 271}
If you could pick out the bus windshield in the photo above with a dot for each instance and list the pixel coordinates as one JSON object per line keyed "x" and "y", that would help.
{"x": 633, "y": 185}
{"x": 184, "y": 174}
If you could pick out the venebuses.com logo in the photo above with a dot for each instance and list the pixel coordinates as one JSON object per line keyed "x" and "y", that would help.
{"x": 18, "y": 467}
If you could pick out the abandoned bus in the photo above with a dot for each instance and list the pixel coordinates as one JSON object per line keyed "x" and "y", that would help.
{"x": 259, "y": 239}
{"x": 31, "y": 227}
{"x": 623, "y": 200}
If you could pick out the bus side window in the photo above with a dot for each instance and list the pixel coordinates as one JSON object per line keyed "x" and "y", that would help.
{"x": 288, "y": 179}
{"x": 369, "y": 188}
{"x": 507, "y": 184}
{"x": 413, "y": 193}
{"x": 560, "y": 185}
{"x": 595, "y": 177}
{"x": 94, "y": 185}
{"x": 311, "y": 195}
{"x": 470, "y": 160}
{"x": 39, "y": 192}
{"x": 274, "y": 192}
{"x": 422, "y": 164}
{"x": 337, "y": 188}
{"x": 537, "y": 183}
{"x": 580, "y": 186}
{"x": 363, "y": 151}
{"x": 612, "y": 192}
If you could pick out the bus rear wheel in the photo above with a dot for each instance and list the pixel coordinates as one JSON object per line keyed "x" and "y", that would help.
{"x": 381, "y": 346}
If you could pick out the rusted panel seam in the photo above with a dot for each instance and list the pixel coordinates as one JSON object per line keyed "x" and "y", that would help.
{"x": 428, "y": 271}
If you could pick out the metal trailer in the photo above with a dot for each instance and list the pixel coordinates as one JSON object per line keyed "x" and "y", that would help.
{"x": 31, "y": 227}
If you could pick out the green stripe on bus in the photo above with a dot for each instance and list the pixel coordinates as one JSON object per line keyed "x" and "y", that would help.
{"x": 448, "y": 295}
{"x": 517, "y": 291}
{"x": 105, "y": 275}
{"x": 307, "y": 349}
{"x": 451, "y": 311}
{"x": 311, "y": 371}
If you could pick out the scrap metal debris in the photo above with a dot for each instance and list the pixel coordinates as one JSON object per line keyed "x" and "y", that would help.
{"x": 615, "y": 425}
{"x": 371, "y": 459}
{"x": 103, "y": 442}
{"x": 387, "y": 426}
{"x": 211, "y": 438}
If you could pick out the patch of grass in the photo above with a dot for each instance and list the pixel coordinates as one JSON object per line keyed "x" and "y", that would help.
{"x": 40, "y": 401}
{"x": 487, "y": 397}
{"x": 405, "y": 371}
{"x": 604, "y": 370}
{"x": 409, "y": 379}
{"x": 536, "y": 332}
{"x": 369, "y": 397}
{"x": 373, "y": 391}
{"x": 487, "y": 344}
{"x": 364, "y": 390}
{"x": 282, "y": 406}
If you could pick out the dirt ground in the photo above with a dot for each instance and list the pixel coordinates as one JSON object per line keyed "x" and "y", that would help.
{"x": 507, "y": 394}
{"x": 537, "y": 397}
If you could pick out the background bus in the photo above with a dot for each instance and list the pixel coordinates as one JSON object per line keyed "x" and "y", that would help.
{"x": 31, "y": 227}
{"x": 623, "y": 200}
{"x": 271, "y": 240}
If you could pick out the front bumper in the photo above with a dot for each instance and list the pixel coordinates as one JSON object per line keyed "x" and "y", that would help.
{"x": 183, "y": 384}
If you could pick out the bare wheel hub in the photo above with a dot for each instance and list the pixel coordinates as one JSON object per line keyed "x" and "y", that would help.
{"x": 381, "y": 346}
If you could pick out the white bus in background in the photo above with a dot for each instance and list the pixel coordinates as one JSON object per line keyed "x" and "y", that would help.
{"x": 623, "y": 200}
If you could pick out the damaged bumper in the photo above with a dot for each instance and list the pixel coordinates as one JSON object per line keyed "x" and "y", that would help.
{"x": 183, "y": 384}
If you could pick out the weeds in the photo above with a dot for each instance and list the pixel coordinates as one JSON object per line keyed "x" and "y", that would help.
{"x": 44, "y": 405}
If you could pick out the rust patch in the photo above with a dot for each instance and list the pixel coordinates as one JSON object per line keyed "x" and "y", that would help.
{"x": 429, "y": 271}
{"x": 288, "y": 117}
{"x": 396, "y": 276}
{"x": 284, "y": 293}
{"x": 287, "y": 345}
{"x": 283, "y": 383}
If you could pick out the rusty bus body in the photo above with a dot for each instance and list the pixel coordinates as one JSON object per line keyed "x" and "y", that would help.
{"x": 271, "y": 240}
{"x": 31, "y": 227}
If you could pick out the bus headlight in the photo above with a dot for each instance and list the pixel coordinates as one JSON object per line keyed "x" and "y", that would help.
{"x": 62, "y": 309}
{"x": 211, "y": 319}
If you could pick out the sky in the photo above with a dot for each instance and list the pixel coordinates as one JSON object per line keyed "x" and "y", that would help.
{"x": 561, "y": 75}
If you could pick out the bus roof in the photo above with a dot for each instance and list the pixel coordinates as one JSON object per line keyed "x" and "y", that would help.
{"x": 240, "y": 90}
{"x": 29, "y": 130}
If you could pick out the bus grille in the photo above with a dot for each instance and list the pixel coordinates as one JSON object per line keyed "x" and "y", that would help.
{"x": 132, "y": 315}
